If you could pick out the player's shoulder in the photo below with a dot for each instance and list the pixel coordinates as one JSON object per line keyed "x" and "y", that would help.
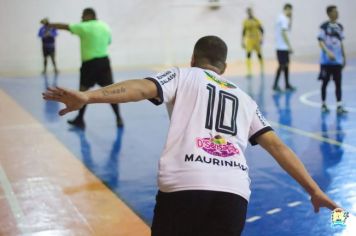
{"x": 324, "y": 25}
{"x": 258, "y": 20}
{"x": 281, "y": 17}
{"x": 340, "y": 25}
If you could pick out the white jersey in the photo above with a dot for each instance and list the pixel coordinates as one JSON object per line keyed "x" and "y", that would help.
{"x": 211, "y": 123}
{"x": 282, "y": 24}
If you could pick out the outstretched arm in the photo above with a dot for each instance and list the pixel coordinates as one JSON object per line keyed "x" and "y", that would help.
{"x": 60, "y": 26}
{"x": 288, "y": 160}
{"x": 126, "y": 91}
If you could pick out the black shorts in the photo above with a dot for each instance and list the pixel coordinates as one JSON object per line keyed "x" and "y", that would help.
{"x": 198, "y": 213}
{"x": 283, "y": 57}
{"x": 330, "y": 71}
{"x": 96, "y": 71}
{"x": 47, "y": 51}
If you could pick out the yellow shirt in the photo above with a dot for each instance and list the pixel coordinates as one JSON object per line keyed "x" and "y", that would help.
{"x": 252, "y": 28}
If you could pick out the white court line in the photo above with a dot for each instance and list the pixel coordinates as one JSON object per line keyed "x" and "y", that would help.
{"x": 11, "y": 198}
{"x": 294, "y": 204}
{"x": 253, "y": 218}
{"x": 304, "y": 98}
{"x": 315, "y": 136}
{"x": 274, "y": 211}
{"x": 333, "y": 191}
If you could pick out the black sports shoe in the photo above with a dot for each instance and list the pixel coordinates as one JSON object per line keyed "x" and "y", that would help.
{"x": 78, "y": 123}
{"x": 290, "y": 88}
{"x": 277, "y": 89}
{"x": 324, "y": 108}
{"x": 340, "y": 110}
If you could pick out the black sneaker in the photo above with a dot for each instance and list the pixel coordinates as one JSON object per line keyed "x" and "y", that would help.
{"x": 324, "y": 108}
{"x": 340, "y": 110}
{"x": 119, "y": 123}
{"x": 78, "y": 123}
{"x": 277, "y": 89}
{"x": 291, "y": 88}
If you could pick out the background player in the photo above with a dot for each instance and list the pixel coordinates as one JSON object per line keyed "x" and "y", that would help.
{"x": 203, "y": 176}
{"x": 332, "y": 58}
{"x": 48, "y": 36}
{"x": 95, "y": 37}
{"x": 283, "y": 46}
{"x": 252, "y": 38}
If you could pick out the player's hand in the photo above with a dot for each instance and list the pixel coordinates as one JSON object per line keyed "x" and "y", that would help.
{"x": 331, "y": 55}
{"x": 290, "y": 50}
{"x": 44, "y": 21}
{"x": 344, "y": 63}
{"x": 320, "y": 199}
{"x": 73, "y": 100}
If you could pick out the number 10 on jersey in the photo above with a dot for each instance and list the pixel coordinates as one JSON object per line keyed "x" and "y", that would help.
{"x": 225, "y": 121}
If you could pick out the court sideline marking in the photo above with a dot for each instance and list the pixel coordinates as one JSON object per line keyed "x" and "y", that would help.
{"x": 11, "y": 198}
{"x": 314, "y": 136}
{"x": 117, "y": 213}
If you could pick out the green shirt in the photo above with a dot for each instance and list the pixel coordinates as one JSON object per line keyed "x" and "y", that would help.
{"x": 95, "y": 37}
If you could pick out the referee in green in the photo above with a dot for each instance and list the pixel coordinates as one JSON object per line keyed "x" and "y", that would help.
{"x": 95, "y": 37}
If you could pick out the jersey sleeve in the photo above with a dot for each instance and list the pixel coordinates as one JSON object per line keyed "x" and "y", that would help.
{"x": 284, "y": 23}
{"x": 54, "y": 32}
{"x": 260, "y": 27}
{"x": 322, "y": 32}
{"x": 76, "y": 29}
{"x": 259, "y": 125}
{"x": 41, "y": 32}
{"x": 342, "y": 35}
{"x": 167, "y": 83}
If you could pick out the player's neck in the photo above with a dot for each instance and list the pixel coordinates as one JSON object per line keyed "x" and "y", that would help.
{"x": 210, "y": 67}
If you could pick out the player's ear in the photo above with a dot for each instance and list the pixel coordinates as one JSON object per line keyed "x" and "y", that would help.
{"x": 223, "y": 68}
{"x": 192, "y": 61}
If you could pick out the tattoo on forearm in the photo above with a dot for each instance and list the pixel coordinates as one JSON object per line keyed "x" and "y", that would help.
{"x": 114, "y": 91}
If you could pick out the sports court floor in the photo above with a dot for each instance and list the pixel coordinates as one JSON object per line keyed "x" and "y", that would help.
{"x": 56, "y": 180}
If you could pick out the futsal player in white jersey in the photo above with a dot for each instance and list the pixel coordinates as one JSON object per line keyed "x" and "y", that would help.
{"x": 204, "y": 187}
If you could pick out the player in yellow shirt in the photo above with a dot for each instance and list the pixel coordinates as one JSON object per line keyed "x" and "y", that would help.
{"x": 252, "y": 38}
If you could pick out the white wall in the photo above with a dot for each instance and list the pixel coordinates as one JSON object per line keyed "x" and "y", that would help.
{"x": 149, "y": 32}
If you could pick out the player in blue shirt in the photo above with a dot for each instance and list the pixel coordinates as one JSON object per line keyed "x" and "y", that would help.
{"x": 332, "y": 57}
{"x": 48, "y": 34}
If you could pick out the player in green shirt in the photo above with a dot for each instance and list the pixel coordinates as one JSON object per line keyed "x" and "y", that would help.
{"x": 95, "y": 37}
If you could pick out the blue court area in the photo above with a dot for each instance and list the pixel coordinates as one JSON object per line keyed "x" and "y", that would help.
{"x": 126, "y": 159}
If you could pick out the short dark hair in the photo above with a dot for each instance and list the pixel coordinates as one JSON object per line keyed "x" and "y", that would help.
{"x": 330, "y": 8}
{"x": 89, "y": 12}
{"x": 211, "y": 48}
{"x": 287, "y": 6}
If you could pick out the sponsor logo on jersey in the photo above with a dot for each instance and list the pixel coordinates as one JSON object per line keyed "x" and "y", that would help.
{"x": 166, "y": 77}
{"x": 215, "y": 161}
{"x": 217, "y": 146}
{"x": 222, "y": 83}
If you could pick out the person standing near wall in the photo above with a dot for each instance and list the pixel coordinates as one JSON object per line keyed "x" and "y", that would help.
{"x": 252, "y": 38}
{"x": 48, "y": 35}
{"x": 332, "y": 57}
{"x": 284, "y": 48}
{"x": 95, "y": 37}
